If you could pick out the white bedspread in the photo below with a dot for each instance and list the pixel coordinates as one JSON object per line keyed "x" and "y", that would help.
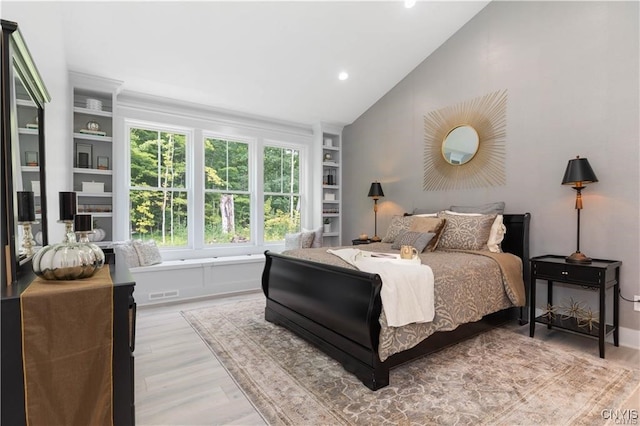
{"x": 407, "y": 286}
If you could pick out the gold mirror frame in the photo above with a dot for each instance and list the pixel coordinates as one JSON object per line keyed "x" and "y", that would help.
{"x": 487, "y": 115}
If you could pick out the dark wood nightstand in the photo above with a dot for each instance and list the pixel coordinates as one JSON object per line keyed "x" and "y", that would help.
{"x": 358, "y": 241}
{"x": 599, "y": 274}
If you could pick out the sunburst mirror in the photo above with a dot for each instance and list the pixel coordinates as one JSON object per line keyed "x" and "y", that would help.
{"x": 464, "y": 144}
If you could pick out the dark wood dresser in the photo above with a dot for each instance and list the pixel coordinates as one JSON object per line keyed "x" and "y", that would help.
{"x": 124, "y": 314}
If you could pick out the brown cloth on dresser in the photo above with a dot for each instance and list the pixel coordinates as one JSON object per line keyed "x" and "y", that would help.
{"x": 67, "y": 341}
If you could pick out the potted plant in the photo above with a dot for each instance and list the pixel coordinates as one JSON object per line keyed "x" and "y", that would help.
{"x": 327, "y": 225}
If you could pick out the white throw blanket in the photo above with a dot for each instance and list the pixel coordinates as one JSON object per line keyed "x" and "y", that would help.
{"x": 407, "y": 286}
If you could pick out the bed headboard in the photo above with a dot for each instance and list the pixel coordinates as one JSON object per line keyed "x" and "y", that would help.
{"x": 516, "y": 240}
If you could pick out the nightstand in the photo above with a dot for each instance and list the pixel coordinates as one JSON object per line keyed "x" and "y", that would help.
{"x": 358, "y": 241}
{"x": 600, "y": 275}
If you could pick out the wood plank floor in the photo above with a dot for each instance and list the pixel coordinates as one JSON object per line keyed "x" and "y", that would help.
{"x": 180, "y": 382}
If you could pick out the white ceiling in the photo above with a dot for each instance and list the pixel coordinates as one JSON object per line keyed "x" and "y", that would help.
{"x": 275, "y": 59}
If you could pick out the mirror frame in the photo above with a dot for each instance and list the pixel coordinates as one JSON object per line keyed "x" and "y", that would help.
{"x": 473, "y": 154}
{"x": 17, "y": 61}
{"x": 488, "y": 117}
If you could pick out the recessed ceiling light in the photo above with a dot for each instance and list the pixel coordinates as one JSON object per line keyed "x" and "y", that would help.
{"x": 409, "y": 3}
{"x": 343, "y": 75}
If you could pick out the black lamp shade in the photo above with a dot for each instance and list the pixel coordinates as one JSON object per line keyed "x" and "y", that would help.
{"x": 578, "y": 171}
{"x": 376, "y": 190}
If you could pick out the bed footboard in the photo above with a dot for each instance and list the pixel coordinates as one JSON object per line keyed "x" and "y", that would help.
{"x": 337, "y": 309}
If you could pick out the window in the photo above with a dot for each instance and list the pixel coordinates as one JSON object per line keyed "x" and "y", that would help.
{"x": 281, "y": 172}
{"x": 158, "y": 191}
{"x": 227, "y": 203}
{"x": 203, "y": 185}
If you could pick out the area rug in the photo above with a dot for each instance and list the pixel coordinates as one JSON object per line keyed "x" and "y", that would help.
{"x": 498, "y": 377}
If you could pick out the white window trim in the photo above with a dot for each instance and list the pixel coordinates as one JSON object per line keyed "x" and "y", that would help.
{"x": 201, "y": 122}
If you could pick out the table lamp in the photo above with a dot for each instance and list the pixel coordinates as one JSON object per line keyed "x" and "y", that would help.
{"x": 375, "y": 192}
{"x": 578, "y": 173}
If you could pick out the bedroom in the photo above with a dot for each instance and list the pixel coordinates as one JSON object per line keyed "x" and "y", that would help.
{"x": 571, "y": 71}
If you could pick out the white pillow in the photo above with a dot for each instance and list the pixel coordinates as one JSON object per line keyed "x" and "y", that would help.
{"x": 425, "y": 215}
{"x": 498, "y": 230}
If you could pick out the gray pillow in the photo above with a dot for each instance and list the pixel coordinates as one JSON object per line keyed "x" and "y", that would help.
{"x": 298, "y": 240}
{"x": 419, "y": 240}
{"x": 489, "y": 208}
{"x": 128, "y": 252}
{"x": 148, "y": 252}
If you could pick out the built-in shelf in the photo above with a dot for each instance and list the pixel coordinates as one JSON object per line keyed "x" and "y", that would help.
{"x": 94, "y": 112}
{"x": 82, "y": 171}
{"x": 25, "y": 131}
{"x": 30, "y": 169}
{"x": 94, "y": 194}
{"x": 26, "y": 103}
{"x": 95, "y": 138}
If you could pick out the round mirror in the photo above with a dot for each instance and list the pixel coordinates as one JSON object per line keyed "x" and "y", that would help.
{"x": 460, "y": 145}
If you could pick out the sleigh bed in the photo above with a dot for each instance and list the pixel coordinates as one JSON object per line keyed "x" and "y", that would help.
{"x": 338, "y": 308}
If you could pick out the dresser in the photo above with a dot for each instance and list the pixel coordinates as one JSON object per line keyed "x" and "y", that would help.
{"x": 124, "y": 314}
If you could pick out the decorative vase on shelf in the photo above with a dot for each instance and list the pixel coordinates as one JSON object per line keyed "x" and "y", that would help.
{"x": 69, "y": 260}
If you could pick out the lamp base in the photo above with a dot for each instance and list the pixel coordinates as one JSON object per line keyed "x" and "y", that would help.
{"x": 375, "y": 239}
{"x": 577, "y": 257}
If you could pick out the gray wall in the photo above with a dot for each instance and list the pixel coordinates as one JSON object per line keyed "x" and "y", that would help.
{"x": 571, "y": 71}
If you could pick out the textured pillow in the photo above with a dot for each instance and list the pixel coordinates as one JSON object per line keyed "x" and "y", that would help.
{"x": 398, "y": 223}
{"x": 498, "y": 230}
{"x": 429, "y": 224}
{"x": 148, "y": 252}
{"x": 292, "y": 241}
{"x": 298, "y": 240}
{"x": 466, "y": 232}
{"x": 128, "y": 252}
{"x": 317, "y": 236}
{"x": 419, "y": 240}
{"x": 489, "y": 208}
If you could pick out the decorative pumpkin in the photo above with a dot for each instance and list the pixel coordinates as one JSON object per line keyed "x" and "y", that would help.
{"x": 68, "y": 260}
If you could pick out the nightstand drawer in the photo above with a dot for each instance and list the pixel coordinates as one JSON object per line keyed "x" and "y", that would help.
{"x": 568, "y": 273}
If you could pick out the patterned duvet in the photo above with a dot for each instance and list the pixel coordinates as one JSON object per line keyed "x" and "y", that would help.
{"x": 468, "y": 286}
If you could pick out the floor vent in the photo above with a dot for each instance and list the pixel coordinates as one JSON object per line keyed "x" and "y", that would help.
{"x": 164, "y": 295}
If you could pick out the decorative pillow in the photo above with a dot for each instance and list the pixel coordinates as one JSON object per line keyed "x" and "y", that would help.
{"x": 128, "y": 252}
{"x": 317, "y": 236}
{"x": 148, "y": 252}
{"x": 398, "y": 223}
{"x": 298, "y": 240}
{"x": 498, "y": 230}
{"x": 429, "y": 224}
{"x": 466, "y": 232}
{"x": 489, "y": 208}
{"x": 419, "y": 240}
{"x": 293, "y": 241}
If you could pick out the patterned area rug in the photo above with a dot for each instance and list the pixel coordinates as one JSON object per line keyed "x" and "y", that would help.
{"x": 498, "y": 377}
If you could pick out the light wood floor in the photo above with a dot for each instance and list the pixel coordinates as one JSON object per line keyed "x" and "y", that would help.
{"x": 180, "y": 382}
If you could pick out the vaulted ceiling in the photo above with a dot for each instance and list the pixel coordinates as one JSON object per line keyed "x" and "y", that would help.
{"x": 275, "y": 59}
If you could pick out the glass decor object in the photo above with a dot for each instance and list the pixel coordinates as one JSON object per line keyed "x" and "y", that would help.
{"x": 69, "y": 260}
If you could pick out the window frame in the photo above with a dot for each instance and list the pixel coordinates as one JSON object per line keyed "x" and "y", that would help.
{"x": 200, "y": 122}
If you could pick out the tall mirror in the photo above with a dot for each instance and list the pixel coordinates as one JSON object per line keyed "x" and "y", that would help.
{"x": 24, "y": 201}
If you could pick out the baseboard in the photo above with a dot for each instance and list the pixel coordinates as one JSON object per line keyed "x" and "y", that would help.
{"x": 627, "y": 337}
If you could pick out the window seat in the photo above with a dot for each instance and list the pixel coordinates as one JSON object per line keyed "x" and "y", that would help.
{"x": 184, "y": 279}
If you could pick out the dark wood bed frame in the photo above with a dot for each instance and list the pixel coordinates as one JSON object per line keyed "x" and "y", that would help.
{"x": 337, "y": 309}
